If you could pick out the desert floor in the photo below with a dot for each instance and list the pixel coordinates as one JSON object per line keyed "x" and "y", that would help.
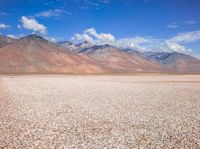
{"x": 58, "y": 111}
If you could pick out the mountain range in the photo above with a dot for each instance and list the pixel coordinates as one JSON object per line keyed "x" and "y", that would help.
{"x": 34, "y": 54}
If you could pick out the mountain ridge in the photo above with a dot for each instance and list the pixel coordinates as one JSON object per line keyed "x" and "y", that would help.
{"x": 35, "y": 54}
{"x": 5, "y": 40}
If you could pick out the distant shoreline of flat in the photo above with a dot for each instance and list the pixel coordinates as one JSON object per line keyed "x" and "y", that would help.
{"x": 98, "y": 74}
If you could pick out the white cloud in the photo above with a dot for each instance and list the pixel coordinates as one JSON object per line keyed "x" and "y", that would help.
{"x": 106, "y": 1}
{"x": 11, "y": 36}
{"x": 176, "y": 47}
{"x": 187, "y": 37}
{"x": 84, "y": 4}
{"x": 101, "y": 37}
{"x": 175, "y": 43}
{"x": 173, "y": 25}
{"x": 93, "y": 4}
{"x": 56, "y": 13}
{"x": 93, "y": 37}
{"x": 52, "y": 39}
{"x": 190, "y": 22}
{"x": 32, "y": 24}
{"x": 135, "y": 43}
{"x": 82, "y": 37}
{"x": 19, "y": 26}
{"x": 16, "y": 36}
{"x": 4, "y": 26}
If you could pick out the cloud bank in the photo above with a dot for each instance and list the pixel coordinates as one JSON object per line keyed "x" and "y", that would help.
{"x": 55, "y": 13}
{"x": 16, "y": 36}
{"x": 175, "y": 44}
{"x": 92, "y": 36}
{"x": 32, "y": 24}
{"x": 4, "y": 26}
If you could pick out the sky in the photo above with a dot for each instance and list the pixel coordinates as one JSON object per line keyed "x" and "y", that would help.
{"x": 145, "y": 25}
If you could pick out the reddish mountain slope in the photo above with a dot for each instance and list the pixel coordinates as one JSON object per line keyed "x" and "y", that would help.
{"x": 33, "y": 54}
{"x": 175, "y": 62}
{"x": 5, "y": 40}
{"x": 120, "y": 61}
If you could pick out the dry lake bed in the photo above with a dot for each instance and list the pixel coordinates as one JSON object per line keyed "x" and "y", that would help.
{"x": 58, "y": 111}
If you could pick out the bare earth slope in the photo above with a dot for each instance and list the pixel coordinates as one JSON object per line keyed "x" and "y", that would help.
{"x": 178, "y": 62}
{"x": 33, "y": 54}
{"x": 5, "y": 40}
{"x": 100, "y": 112}
{"x": 175, "y": 62}
{"x": 120, "y": 61}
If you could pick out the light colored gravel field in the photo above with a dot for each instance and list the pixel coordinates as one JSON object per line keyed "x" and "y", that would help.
{"x": 99, "y": 112}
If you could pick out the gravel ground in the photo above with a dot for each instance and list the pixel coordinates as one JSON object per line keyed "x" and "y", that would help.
{"x": 99, "y": 111}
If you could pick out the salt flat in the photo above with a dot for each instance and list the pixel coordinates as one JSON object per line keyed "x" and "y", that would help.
{"x": 58, "y": 111}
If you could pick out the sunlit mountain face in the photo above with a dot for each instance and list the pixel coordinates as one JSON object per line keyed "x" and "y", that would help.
{"x": 117, "y": 36}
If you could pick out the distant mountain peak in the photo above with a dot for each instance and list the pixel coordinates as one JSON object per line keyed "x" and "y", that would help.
{"x": 84, "y": 43}
{"x": 34, "y": 37}
{"x": 64, "y": 43}
{"x": 103, "y": 48}
{"x": 130, "y": 50}
{"x": 4, "y": 37}
{"x": 5, "y": 40}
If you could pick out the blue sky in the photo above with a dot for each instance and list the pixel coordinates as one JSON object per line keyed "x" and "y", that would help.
{"x": 141, "y": 24}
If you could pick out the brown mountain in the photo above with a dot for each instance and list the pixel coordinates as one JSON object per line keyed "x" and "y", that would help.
{"x": 74, "y": 47}
{"x": 5, "y": 40}
{"x": 34, "y": 54}
{"x": 120, "y": 61}
{"x": 175, "y": 62}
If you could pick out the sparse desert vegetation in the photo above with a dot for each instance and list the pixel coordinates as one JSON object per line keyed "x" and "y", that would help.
{"x": 66, "y": 111}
